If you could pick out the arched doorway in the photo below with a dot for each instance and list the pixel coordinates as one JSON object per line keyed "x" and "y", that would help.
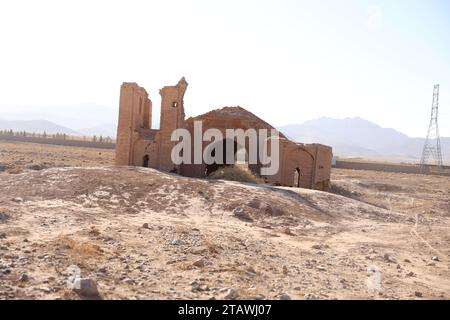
{"x": 297, "y": 178}
{"x": 210, "y": 168}
{"x": 145, "y": 161}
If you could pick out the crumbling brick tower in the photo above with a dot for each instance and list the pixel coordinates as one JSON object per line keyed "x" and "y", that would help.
{"x": 134, "y": 113}
{"x": 138, "y": 144}
{"x": 172, "y": 117}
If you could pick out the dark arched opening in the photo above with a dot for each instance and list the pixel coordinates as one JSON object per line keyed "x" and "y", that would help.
{"x": 297, "y": 177}
{"x": 210, "y": 168}
{"x": 146, "y": 161}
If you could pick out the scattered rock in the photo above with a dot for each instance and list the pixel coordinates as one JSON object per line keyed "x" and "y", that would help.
{"x": 435, "y": 258}
{"x": 203, "y": 287}
{"x": 199, "y": 250}
{"x": 195, "y": 286}
{"x": 102, "y": 270}
{"x": 176, "y": 242}
{"x": 145, "y": 226}
{"x": 86, "y": 287}
{"x": 231, "y": 294}
{"x": 407, "y": 261}
{"x": 284, "y": 296}
{"x": 251, "y": 270}
{"x": 128, "y": 281}
{"x": 24, "y": 278}
{"x": 241, "y": 214}
{"x": 36, "y": 167}
{"x": 260, "y": 297}
{"x": 321, "y": 268}
{"x": 288, "y": 231}
{"x": 4, "y": 216}
{"x": 388, "y": 258}
{"x": 285, "y": 270}
{"x": 418, "y": 294}
{"x": 199, "y": 263}
{"x": 310, "y": 296}
{"x": 17, "y": 200}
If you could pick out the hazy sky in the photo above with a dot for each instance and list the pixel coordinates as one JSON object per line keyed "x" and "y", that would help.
{"x": 286, "y": 61}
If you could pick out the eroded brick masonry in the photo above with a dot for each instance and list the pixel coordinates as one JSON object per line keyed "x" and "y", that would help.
{"x": 301, "y": 165}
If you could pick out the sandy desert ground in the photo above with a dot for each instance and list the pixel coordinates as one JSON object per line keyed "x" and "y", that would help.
{"x": 143, "y": 234}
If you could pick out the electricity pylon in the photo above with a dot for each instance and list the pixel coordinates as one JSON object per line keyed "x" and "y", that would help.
{"x": 432, "y": 148}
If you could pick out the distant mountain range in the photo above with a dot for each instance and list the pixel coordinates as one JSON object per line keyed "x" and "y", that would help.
{"x": 356, "y": 137}
{"x": 38, "y": 126}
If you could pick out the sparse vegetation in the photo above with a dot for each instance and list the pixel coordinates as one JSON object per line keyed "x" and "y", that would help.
{"x": 57, "y": 139}
{"x": 80, "y": 250}
{"x": 235, "y": 173}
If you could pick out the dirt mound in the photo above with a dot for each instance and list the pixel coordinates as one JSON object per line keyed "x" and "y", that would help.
{"x": 132, "y": 190}
{"x": 139, "y": 233}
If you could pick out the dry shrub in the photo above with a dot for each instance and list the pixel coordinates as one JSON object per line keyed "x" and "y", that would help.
{"x": 247, "y": 293}
{"x": 339, "y": 190}
{"x": 204, "y": 194}
{"x": 80, "y": 249}
{"x": 236, "y": 173}
{"x": 212, "y": 247}
{"x": 183, "y": 229}
{"x": 94, "y": 231}
{"x": 14, "y": 170}
{"x": 185, "y": 266}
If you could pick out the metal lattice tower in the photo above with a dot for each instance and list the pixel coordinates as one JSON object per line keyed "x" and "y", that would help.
{"x": 432, "y": 149}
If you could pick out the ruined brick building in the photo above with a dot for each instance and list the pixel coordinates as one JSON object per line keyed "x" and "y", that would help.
{"x": 301, "y": 165}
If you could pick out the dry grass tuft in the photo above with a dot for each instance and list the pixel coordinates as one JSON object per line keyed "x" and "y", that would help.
{"x": 212, "y": 247}
{"x": 236, "y": 173}
{"x": 183, "y": 229}
{"x": 80, "y": 249}
{"x": 339, "y": 190}
{"x": 14, "y": 170}
{"x": 185, "y": 265}
{"x": 94, "y": 231}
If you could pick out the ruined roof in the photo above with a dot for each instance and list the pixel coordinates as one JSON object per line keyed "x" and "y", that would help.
{"x": 229, "y": 113}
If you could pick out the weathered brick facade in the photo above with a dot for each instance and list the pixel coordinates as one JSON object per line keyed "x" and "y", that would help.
{"x": 301, "y": 165}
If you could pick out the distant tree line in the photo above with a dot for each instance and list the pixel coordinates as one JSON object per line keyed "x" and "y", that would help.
{"x": 57, "y": 136}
